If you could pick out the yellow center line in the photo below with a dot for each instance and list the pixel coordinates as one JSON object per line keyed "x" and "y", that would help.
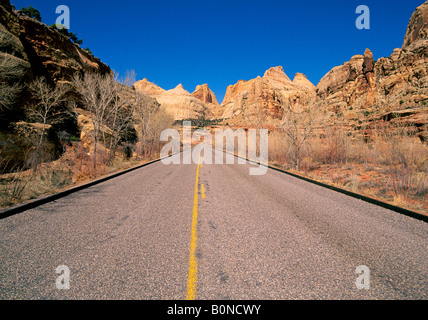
{"x": 203, "y": 191}
{"x": 193, "y": 263}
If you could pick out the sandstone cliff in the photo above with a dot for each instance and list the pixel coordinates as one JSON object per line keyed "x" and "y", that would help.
{"x": 30, "y": 49}
{"x": 360, "y": 90}
{"x": 392, "y": 88}
{"x": 349, "y": 88}
{"x": 418, "y": 26}
{"x": 45, "y": 51}
{"x": 204, "y": 94}
{"x": 178, "y": 102}
{"x": 266, "y": 96}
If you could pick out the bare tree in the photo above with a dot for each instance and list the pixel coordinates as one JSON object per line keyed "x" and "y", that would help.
{"x": 160, "y": 121}
{"x": 144, "y": 113}
{"x": 150, "y": 120}
{"x": 98, "y": 92}
{"x": 122, "y": 109}
{"x": 128, "y": 80}
{"x": 121, "y": 115}
{"x": 255, "y": 115}
{"x": 46, "y": 110}
{"x": 299, "y": 123}
{"x": 8, "y": 95}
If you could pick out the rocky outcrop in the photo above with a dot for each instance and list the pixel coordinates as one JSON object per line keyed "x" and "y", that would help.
{"x": 204, "y": 94}
{"x": 265, "y": 96}
{"x": 418, "y": 26}
{"x": 30, "y": 49}
{"x": 357, "y": 91}
{"x": 301, "y": 80}
{"x": 178, "y": 102}
{"x": 54, "y": 55}
{"x": 47, "y": 52}
{"x": 349, "y": 87}
{"x": 366, "y": 90}
{"x": 148, "y": 88}
{"x": 15, "y": 67}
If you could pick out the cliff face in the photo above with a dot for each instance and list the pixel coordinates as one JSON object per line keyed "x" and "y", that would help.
{"x": 394, "y": 87}
{"x": 418, "y": 26}
{"x": 265, "y": 96}
{"x": 203, "y": 93}
{"x": 349, "y": 88}
{"x": 180, "y": 103}
{"x": 358, "y": 90}
{"x": 53, "y": 55}
{"x": 43, "y": 50}
{"x": 30, "y": 49}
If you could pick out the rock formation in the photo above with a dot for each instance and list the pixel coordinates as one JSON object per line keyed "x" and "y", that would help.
{"x": 418, "y": 26}
{"x": 265, "y": 97}
{"x": 395, "y": 87}
{"x": 45, "y": 51}
{"x": 148, "y": 88}
{"x": 349, "y": 87}
{"x": 179, "y": 102}
{"x": 204, "y": 94}
{"x": 359, "y": 90}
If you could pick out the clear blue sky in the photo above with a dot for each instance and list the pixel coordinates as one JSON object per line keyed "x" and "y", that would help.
{"x": 221, "y": 42}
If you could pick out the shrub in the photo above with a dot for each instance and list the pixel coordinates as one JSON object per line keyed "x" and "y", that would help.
{"x": 88, "y": 51}
{"x": 32, "y": 13}
{"x": 64, "y": 31}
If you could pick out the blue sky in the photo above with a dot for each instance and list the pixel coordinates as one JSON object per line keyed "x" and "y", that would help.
{"x": 221, "y": 42}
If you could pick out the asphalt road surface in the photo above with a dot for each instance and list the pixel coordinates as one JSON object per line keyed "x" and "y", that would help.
{"x": 158, "y": 233}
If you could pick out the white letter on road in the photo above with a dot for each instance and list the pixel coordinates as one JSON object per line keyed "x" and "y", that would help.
{"x": 63, "y": 281}
{"x": 363, "y": 280}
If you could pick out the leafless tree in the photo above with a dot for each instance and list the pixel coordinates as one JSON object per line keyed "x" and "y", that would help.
{"x": 121, "y": 112}
{"x": 299, "y": 122}
{"x": 46, "y": 109}
{"x": 121, "y": 115}
{"x": 144, "y": 113}
{"x": 255, "y": 115}
{"x": 128, "y": 80}
{"x": 150, "y": 120}
{"x": 98, "y": 93}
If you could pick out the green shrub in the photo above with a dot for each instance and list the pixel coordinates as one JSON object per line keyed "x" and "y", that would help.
{"x": 31, "y": 12}
{"x": 88, "y": 51}
{"x": 64, "y": 31}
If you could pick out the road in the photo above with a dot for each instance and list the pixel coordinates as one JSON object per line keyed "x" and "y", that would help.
{"x": 158, "y": 233}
